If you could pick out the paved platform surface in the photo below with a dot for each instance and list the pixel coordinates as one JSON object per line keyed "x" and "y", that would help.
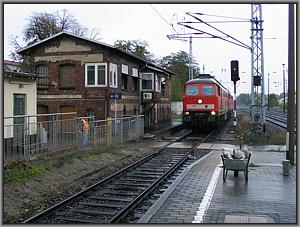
{"x": 199, "y": 194}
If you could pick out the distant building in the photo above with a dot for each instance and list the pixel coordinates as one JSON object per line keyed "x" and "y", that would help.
{"x": 82, "y": 75}
{"x": 280, "y": 101}
{"x": 12, "y": 66}
{"x": 177, "y": 107}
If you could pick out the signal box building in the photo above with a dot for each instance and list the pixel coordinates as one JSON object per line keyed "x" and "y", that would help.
{"x": 82, "y": 75}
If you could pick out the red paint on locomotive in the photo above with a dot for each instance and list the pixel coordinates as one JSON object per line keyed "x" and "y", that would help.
{"x": 206, "y": 102}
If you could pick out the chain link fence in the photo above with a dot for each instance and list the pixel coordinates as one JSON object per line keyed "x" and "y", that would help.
{"x": 28, "y": 136}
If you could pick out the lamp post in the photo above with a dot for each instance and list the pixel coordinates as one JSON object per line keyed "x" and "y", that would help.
{"x": 283, "y": 74}
{"x": 269, "y": 89}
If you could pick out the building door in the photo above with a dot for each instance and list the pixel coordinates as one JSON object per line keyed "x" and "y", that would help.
{"x": 42, "y": 110}
{"x": 19, "y": 104}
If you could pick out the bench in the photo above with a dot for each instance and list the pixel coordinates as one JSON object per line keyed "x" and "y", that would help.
{"x": 236, "y": 165}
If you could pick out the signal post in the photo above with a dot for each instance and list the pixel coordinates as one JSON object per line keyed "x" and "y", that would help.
{"x": 234, "y": 78}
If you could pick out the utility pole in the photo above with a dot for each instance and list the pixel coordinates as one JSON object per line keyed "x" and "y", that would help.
{"x": 183, "y": 37}
{"x": 283, "y": 74}
{"x": 190, "y": 61}
{"x": 291, "y": 87}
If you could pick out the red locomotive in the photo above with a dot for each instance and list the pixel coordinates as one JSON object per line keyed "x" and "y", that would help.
{"x": 206, "y": 102}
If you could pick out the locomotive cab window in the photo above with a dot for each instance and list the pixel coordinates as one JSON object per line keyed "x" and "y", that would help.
{"x": 192, "y": 90}
{"x": 208, "y": 90}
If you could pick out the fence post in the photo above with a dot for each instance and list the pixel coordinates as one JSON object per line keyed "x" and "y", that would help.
{"x": 138, "y": 128}
{"x": 94, "y": 131}
{"x": 109, "y": 130}
{"x": 121, "y": 125}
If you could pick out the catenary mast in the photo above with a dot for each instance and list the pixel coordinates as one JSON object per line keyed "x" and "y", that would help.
{"x": 258, "y": 102}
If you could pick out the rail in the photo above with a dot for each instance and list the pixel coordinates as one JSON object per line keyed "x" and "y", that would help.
{"x": 111, "y": 186}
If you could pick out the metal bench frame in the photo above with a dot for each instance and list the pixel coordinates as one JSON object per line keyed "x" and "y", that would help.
{"x": 236, "y": 165}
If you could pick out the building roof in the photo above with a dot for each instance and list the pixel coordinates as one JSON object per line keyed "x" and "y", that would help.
{"x": 26, "y": 49}
{"x": 12, "y": 74}
{"x": 8, "y": 62}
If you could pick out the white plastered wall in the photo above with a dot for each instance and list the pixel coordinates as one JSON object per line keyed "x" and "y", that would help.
{"x": 29, "y": 89}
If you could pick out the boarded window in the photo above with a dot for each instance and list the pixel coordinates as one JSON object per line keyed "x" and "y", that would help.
{"x": 67, "y": 76}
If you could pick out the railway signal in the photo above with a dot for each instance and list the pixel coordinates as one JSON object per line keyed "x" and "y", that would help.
{"x": 235, "y": 71}
{"x": 234, "y": 77}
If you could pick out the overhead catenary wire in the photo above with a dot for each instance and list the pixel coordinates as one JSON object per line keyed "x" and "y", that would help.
{"x": 238, "y": 18}
{"x": 239, "y": 43}
{"x": 160, "y": 15}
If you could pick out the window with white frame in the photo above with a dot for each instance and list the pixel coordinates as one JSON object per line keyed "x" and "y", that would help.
{"x": 95, "y": 74}
{"x": 157, "y": 83}
{"x": 147, "y": 81}
{"x": 113, "y": 72}
{"x": 135, "y": 72}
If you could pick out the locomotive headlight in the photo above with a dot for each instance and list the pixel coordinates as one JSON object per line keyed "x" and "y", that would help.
{"x": 199, "y": 101}
{"x": 186, "y": 113}
{"x": 213, "y": 113}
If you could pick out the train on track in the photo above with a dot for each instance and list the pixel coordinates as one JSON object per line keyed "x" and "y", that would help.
{"x": 206, "y": 103}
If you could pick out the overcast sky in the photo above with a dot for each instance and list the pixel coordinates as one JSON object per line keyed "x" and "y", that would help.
{"x": 152, "y": 24}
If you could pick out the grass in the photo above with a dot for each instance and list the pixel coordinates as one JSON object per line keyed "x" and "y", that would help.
{"x": 89, "y": 154}
{"x": 8, "y": 218}
{"x": 17, "y": 171}
{"x": 245, "y": 136}
{"x": 16, "y": 174}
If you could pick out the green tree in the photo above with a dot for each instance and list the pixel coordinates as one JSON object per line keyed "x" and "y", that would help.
{"x": 135, "y": 47}
{"x": 178, "y": 63}
{"x": 243, "y": 99}
{"x": 273, "y": 100}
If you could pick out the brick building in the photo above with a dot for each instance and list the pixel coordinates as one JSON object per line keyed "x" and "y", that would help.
{"x": 82, "y": 73}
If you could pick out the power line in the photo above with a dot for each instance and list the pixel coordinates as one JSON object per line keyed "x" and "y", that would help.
{"x": 160, "y": 15}
{"x": 204, "y": 14}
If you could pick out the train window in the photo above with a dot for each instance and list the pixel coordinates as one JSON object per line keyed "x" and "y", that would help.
{"x": 208, "y": 90}
{"x": 192, "y": 90}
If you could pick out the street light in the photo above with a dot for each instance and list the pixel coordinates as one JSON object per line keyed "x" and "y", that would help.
{"x": 269, "y": 90}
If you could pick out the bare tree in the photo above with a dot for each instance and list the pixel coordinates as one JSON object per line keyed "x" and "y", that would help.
{"x": 40, "y": 26}
{"x": 94, "y": 34}
{"x": 67, "y": 22}
{"x": 43, "y": 25}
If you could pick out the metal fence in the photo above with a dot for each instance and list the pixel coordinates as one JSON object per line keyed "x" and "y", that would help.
{"x": 28, "y": 136}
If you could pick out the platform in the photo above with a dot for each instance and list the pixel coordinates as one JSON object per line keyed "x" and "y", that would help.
{"x": 199, "y": 194}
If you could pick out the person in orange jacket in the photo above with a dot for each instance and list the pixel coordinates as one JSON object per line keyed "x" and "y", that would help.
{"x": 85, "y": 131}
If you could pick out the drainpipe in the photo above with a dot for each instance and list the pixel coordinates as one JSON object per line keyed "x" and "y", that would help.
{"x": 140, "y": 88}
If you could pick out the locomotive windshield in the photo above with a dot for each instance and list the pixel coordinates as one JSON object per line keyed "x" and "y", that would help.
{"x": 208, "y": 90}
{"x": 192, "y": 90}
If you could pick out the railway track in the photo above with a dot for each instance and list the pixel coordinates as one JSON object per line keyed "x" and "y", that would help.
{"x": 111, "y": 199}
{"x": 274, "y": 117}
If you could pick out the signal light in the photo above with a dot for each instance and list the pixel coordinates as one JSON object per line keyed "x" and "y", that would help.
{"x": 235, "y": 71}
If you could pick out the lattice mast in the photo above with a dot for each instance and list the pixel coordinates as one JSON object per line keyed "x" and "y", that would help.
{"x": 258, "y": 102}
